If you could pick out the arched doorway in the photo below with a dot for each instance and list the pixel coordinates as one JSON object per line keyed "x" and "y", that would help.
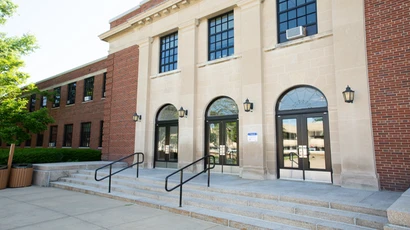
{"x": 166, "y": 138}
{"x": 303, "y": 135}
{"x": 222, "y": 131}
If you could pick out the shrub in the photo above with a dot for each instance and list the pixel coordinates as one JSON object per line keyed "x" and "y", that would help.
{"x": 49, "y": 155}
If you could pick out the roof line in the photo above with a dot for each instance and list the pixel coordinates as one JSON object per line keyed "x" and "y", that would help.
{"x": 128, "y": 11}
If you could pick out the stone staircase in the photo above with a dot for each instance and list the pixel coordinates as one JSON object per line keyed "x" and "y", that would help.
{"x": 226, "y": 206}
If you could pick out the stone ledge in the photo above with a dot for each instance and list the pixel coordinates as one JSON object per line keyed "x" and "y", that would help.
{"x": 46, "y": 173}
{"x": 399, "y": 212}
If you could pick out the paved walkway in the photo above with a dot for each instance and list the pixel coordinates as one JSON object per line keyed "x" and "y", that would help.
{"x": 33, "y": 208}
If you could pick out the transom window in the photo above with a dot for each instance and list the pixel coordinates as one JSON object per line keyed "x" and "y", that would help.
{"x": 71, "y": 93}
{"x": 169, "y": 53}
{"x": 223, "y": 107}
{"x": 293, "y": 13}
{"x": 168, "y": 113}
{"x": 221, "y": 36}
{"x": 302, "y": 98}
{"x": 88, "y": 88}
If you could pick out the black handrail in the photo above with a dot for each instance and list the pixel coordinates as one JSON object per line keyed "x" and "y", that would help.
{"x": 110, "y": 164}
{"x": 208, "y": 168}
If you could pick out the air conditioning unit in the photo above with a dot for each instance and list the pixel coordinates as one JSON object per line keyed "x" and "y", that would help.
{"x": 68, "y": 102}
{"x": 87, "y": 98}
{"x": 296, "y": 32}
{"x": 52, "y": 144}
{"x": 104, "y": 94}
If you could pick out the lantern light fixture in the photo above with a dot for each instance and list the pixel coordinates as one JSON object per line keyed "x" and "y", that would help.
{"x": 348, "y": 95}
{"x": 182, "y": 113}
{"x": 136, "y": 117}
{"x": 248, "y": 106}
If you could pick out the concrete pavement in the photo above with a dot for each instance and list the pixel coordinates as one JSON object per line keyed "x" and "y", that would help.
{"x": 33, "y": 208}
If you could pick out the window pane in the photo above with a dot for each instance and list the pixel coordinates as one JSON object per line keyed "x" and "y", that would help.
{"x": 168, "y": 52}
{"x": 302, "y": 98}
{"x": 311, "y": 8}
{"x": 292, "y": 14}
{"x": 168, "y": 113}
{"x": 85, "y": 134}
{"x": 223, "y": 107}
{"x": 283, "y": 6}
{"x": 301, "y": 11}
{"x": 300, "y": 2}
{"x": 283, "y": 17}
{"x": 218, "y": 41}
{"x": 311, "y": 18}
{"x": 301, "y": 21}
{"x": 283, "y": 26}
{"x": 291, "y": 3}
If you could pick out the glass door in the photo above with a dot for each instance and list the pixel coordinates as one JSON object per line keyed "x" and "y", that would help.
{"x": 303, "y": 147}
{"x": 167, "y": 146}
{"x": 223, "y": 142}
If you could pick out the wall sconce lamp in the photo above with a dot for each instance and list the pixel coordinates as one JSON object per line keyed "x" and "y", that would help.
{"x": 248, "y": 106}
{"x": 182, "y": 113}
{"x": 136, "y": 117}
{"x": 348, "y": 95}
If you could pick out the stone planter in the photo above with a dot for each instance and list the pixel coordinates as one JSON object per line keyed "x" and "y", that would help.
{"x": 21, "y": 175}
{"x": 4, "y": 177}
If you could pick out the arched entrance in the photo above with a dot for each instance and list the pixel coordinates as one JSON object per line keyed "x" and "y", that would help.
{"x": 166, "y": 138}
{"x": 222, "y": 131}
{"x": 303, "y": 135}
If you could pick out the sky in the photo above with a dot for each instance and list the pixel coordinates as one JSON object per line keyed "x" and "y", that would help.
{"x": 66, "y": 31}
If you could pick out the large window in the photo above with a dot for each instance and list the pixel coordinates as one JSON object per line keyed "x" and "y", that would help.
{"x": 68, "y": 135}
{"x": 101, "y": 134}
{"x": 221, "y": 36}
{"x": 57, "y": 97}
{"x": 85, "y": 134}
{"x": 88, "y": 89}
{"x": 44, "y": 101}
{"x": 104, "y": 82}
{"x": 169, "y": 53}
{"x": 32, "y": 103}
{"x": 71, "y": 93}
{"x": 293, "y": 13}
{"x": 53, "y": 136}
{"x": 40, "y": 139}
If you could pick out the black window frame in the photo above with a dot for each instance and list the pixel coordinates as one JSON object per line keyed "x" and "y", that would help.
{"x": 103, "y": 86}
{"x": 28, "y": 142}
{"x": 71, "y": 92}
{"x": 88, "y": 88}
{"x": 57, "y": 97}
{"x": 85, "y": 135}
{"x": 32, "y": 105}
{"x": 68, "y": 135}
{"x": 298, "y": 11}
{"x": 168, "y": 60}
{"x": 52, "y": 135}
{"x": 217, "y": 38}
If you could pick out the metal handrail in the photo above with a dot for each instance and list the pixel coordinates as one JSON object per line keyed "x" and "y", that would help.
{"x": 111, "y": 173}
{"x": 181, "y": 170}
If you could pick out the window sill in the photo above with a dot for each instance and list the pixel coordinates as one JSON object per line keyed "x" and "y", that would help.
{"x": 300, "y": 41}
{"x": 86, "y": 101}
{"x": 66, "y": 147}
{"x": 166, "y": 73}
{"x": 83, "y": 147}
{"x": 69, "y": 105}
{"x": 217, "y": 61}
{"x": 55, "y": 107}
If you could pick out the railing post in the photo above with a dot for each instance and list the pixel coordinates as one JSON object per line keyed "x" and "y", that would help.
{"x": 180, "y": 188}
{"x": 109, "y": 180}
{"x": 138, "y": 165}
{"x": 209, "y": 169}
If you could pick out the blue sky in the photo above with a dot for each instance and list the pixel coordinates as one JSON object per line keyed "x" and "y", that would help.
{"x": 67, "y": 32}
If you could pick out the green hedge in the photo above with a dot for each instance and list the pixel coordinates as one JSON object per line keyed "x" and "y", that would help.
{"x": 49, "y": 155}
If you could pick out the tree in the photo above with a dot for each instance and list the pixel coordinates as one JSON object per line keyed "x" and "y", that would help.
{"x": 16, "y": 122}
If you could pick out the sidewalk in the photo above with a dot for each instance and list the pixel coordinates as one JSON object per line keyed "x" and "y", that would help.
{"x": 42, "y": 208}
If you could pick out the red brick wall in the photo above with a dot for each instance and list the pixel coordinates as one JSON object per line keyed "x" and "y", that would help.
{"x": 121, "y": 92}
{"x": 388, "y": 51}
{"x": 144, "y": 7}
{"x": 92, "y": 111}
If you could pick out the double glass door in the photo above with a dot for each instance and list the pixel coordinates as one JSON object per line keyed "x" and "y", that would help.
{"x": 303, "y": 147}
{"x": 223, "y": 141}
{"x": 166, "y": 155}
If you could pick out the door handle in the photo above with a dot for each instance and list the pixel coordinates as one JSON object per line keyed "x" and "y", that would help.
{"x": 302, "y": 151}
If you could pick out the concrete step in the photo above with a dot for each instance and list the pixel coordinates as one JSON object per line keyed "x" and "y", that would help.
{"x": 230, "y": 220}
{"x": 297, "y": 214}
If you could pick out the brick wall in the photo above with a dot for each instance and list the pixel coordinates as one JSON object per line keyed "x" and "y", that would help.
{"x": 77, "y": 113}
{"x": 121, "y": 93}
{"x": 144, "y": 7}
{"x": 388, "y": 51}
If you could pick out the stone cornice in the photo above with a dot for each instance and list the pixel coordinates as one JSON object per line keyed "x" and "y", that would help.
{"x": 148, "y": 17}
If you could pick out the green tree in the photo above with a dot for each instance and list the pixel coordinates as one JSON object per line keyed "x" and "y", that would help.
{"x": 16, "y": 122}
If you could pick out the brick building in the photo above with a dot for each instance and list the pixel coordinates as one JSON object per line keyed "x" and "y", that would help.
{"x": 291, "y": 59}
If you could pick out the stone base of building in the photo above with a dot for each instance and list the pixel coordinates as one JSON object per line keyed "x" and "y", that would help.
{"x": 360, "y": 181}
{"x": 253, "y": 173}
